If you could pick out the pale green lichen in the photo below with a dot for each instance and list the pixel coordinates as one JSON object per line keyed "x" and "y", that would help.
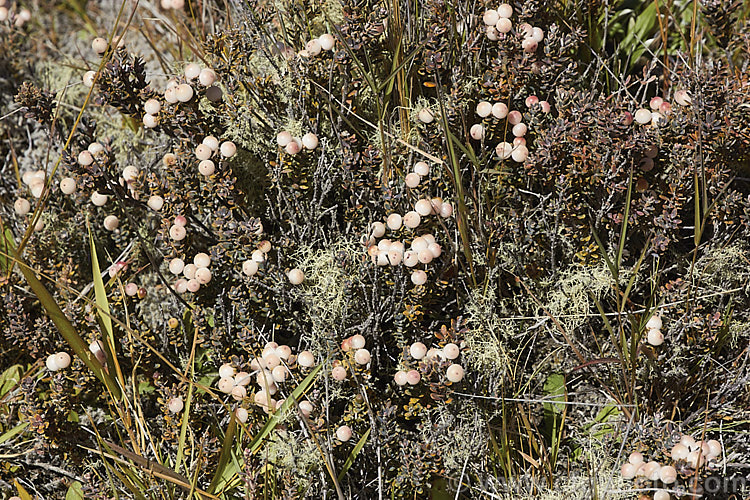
{"x": 327, "y": 286}
{"x": 486, "y": 332}
{"x": 453, "y": 427}
{"x": 569, "y": 299}
{"x": 293, "y": 452}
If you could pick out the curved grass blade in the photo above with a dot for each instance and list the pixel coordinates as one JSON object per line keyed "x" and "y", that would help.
{"x": 226, "y": 471}
{"x": 79, "y": 346}
{"x": 353, "y": 455}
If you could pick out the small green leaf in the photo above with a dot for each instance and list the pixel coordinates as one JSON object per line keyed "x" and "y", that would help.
{"x": 554, "y": 386}
{"x": 75, "y": 492}
{"x": 10, "y": 378}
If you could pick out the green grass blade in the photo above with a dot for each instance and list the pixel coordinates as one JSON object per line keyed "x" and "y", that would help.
{"x": 257, "y": 441}
{"x": 13, "y": 432}
{"x": 102, "y": 309}
{"x": 353, "y": 455}
{"x": 603, "y": 251}
{"x": 226, "y": 471}
{"x": 100, "y": 293}
{"x": 184, "y": 426}
{"x": 624, "y": 227}
{"x": 637, "y": 267}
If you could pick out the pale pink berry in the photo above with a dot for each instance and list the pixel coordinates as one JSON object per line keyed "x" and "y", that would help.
{"x": 203, "y": 152}
{"x": 294, "y": 147}
{"x": 249, "y": 267}
{"x": 184, "y": 92}
{"x": 99, "y": 200}
{"x": 411, "y": 219}
{"x": 643, "y": 116}
{"x": 155, "y": 202}
{"x": 152, "y": 106}
{"x": 203, "y": 275}
{"x": 310, "y": 141}
{"x": 537, "y": 34}
{"x": 207, "y": 77}
{"x": 175, "y": 405}
{"x": 99, "y": 45}
{"x": 227, "y": 149}
{"x": 412, "y": 180}
{"x": 394, "y": 222}
{"x": 239, "y": 392}
{"x": 423, "y": 207}
{"x": 422, "y": 168}
{"x": 68, "y": 185}
{"x": 362, "y": 356}
{"x": 504, "y": 25}
{"x": 180, "y": 286}
{"x": 177, "y": 233}
{"x": 499, "y": 110}
{"x": 455, "y": 373}
{"x": 296, "y": 276}
{"x": 111, "y": 222}
{"x": 490, "y": 17}
{"x": 451, "y": 351}
{"x": 413, "y": 377}
{"x": 344, "y": 433}
{"x": 520, "y": 153}
{"x": 193, "y": 285}
{"x": 417, "y": 350}
{"x": 484, "y": 109}
{"x": 241, "y": 414}
{"x": 306, "y": 359}
{"x": 411, "y": 258}
{"x": 339, "y": 373}
{"x": 682, "y": 98}
{"x": 22, "y": 206}
{"x": 477, "y": 131}
{"x": 504, "y": 150}
{"x": 446, "y": 210}
{"x": 519, "y": 129}
{"x": 88, "y": 79}
{"x": 207, "y": 168}
{"x": 655, "y": 337}
{"x": 283, "y": 138}
{"x": 192, "y": 71}
{"x": 306, "y": 408}
{"x": 313, "y": 47}
{"x": 85, "y": 158}
{"x": 326, "y": 41}
{"x": 357, "y": 341}
{"x": 628, "y": 470}
{"x": 425, "y": 115}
